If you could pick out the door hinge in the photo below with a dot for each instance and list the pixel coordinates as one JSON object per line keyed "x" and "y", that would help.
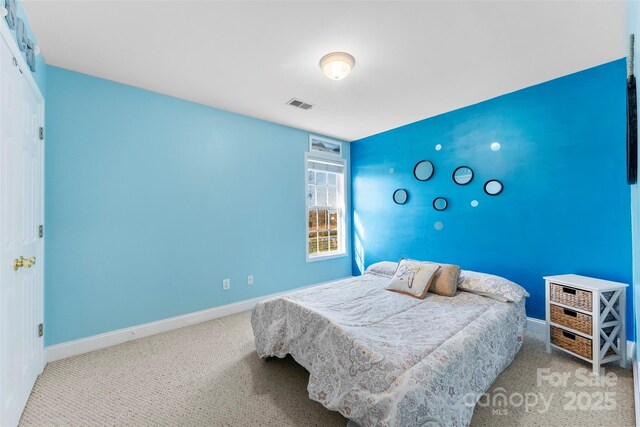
{"x": 40, "y": 330}
{"x": 41, "y": 133}
{"x": 41, "y": 231}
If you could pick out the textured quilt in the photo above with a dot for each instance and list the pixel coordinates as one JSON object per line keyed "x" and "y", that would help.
{"x": 385, "y": 359}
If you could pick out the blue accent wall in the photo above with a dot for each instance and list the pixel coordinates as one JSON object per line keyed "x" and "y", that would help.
{"x": 152, "y": 201}
{"x": 565, "y": 206}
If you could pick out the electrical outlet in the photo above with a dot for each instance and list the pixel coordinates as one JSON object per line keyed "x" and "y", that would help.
{"x": 250, "y": 279}
{"x": 226, "y": 284}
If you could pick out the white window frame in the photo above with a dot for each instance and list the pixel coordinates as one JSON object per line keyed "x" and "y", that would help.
{"x": 342, "y": 198}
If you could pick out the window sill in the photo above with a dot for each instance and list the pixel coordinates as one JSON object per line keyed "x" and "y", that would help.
{"x": 326, "y": 257}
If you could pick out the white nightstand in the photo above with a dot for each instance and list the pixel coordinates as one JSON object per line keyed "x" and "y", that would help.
{"x": 586, "y": 318}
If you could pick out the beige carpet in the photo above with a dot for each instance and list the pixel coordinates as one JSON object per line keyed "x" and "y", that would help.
{"x": 209, "y": 375}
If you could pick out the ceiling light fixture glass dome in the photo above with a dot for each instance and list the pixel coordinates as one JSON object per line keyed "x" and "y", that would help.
{"x": 337, "y": 65}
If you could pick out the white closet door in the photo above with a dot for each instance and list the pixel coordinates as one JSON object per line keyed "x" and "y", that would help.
{"x": 21, "y": 199}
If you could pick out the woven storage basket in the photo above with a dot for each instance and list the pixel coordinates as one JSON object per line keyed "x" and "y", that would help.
{"x": 571, "y": 319}
{"x": 572, "y": 342}
{"x": 571, "y": 296}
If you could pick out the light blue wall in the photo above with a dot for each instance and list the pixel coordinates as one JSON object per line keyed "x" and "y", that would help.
{"x": 39, "y": 74}
{"x": 152, "y": 201}
{"x": 565, "y": 207}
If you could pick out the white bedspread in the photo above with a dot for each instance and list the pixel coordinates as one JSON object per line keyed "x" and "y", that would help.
{"x": 382, "y": 358}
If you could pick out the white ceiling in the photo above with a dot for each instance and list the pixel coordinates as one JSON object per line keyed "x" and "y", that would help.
{"x": 413, "y": 59}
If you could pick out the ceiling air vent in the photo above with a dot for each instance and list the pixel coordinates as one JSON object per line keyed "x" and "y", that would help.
{"x": 299, "y": 104}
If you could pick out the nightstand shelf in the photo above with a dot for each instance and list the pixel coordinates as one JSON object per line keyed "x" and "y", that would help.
{"x": 586, "y": 318}
{"x": 557, "y": 347}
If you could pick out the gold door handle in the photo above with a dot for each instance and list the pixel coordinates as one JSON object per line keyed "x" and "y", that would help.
{"x": 23, "y": 262}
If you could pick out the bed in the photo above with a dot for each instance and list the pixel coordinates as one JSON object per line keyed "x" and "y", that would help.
{"x": 385, "y": 359}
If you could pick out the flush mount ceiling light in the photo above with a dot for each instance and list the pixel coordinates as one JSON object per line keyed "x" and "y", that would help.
{"x": 337, "y": 65}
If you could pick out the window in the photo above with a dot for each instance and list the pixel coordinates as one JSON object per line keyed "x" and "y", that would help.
{"x": 325, "y": 208}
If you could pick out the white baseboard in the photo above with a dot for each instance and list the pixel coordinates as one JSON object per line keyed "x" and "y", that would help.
{"x": 96, "y": 342}
{"x": 538, "y": 327}
{"x": 636, "y": 385}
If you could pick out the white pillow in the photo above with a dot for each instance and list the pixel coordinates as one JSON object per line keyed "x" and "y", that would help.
{"x": 384, "y": 268}
{"x": 491, "y": 286}
{"x": 413, "y": 278}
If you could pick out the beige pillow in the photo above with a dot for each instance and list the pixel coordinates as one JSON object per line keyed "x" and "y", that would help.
{"x": 445, "y": 281}
{"x": 413, "y": 278}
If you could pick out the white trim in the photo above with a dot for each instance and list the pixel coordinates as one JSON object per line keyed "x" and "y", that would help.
{"x": 342, "y": 211}
{"x": 539, "y": 327}
{"x": 536, "y": 326}
{"x": 636, "y": 384}
{"x": 325, "y": 257}
{"x": 96, "y": 342}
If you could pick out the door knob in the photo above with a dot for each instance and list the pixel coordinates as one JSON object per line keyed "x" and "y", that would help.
{"x": 23, "y": 262}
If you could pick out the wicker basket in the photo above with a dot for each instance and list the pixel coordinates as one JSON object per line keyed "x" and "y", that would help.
{"x": 572, "y": 342}
{"x": 571, "y": 319}
{"x": 571, "y": 296}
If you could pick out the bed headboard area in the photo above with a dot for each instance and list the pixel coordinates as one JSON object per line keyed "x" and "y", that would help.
{"x": 559, "y": 150}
